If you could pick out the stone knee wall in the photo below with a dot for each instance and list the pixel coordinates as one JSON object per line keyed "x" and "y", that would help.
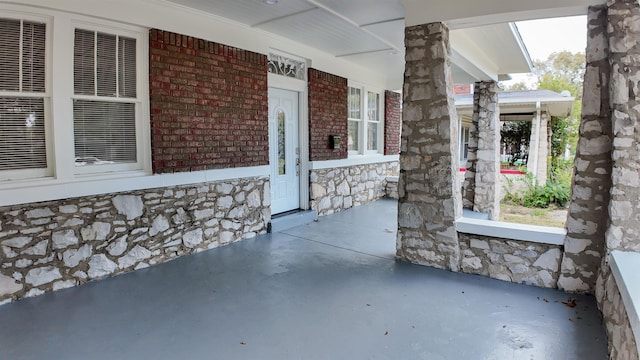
{"x": 622, "y": 343}
{"x": 515, "y": 261}
{"x": 338, "y": 189}
{"x": 59, "y": 244}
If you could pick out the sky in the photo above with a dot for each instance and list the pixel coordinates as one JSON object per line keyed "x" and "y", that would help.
{"x": 543, "y": 37}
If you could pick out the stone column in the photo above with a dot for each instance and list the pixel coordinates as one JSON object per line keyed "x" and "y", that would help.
{"x": 623, "y": 233}
{"x": 429, "y": 187}
{"x": 469, "y": 183}
{"x": 538, "y": 148}
{"x": 482, "y": 179}
{"x": 543, "y": 151}
{"x": 624, "y": 58}
{"x": 588, "y": 216}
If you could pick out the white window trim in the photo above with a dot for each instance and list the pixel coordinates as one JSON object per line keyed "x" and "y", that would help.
{"x": 464, "y": 128}
{"x": 27, "y": 174}
{"x": 363, "y": 122}
{"x": 59, "y": 110}
{"x": 142, "y": 81}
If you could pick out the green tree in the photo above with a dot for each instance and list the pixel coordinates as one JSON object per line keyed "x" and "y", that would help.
{"x": 561, "y": 71}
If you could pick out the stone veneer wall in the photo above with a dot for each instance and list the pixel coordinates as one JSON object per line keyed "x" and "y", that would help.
{"x": 622, "y": 342}
{"x": 59, "y": 244}
{"x": 337, "y": 189}
{"x": 509, "y": 260}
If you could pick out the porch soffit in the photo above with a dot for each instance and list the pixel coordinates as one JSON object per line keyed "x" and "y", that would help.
{"x": 371, "y": 33}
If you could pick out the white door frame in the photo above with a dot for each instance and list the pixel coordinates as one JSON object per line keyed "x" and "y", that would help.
{"x": 300, "y": 86}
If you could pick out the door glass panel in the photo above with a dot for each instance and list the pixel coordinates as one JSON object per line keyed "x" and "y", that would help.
{"x": 281, "y": 143}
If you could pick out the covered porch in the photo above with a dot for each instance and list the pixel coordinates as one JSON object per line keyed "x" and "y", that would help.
{"x": 331, "y": 289}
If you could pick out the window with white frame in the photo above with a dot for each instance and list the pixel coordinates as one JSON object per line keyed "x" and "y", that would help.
{"x": 355, "y": 119}
{"x": 24, "y": 98}
{"x": 464, "y": 144}
{"x": 105, "y": 101}
{"x": 364, "y": 121}
{"x": 373, "y": 120}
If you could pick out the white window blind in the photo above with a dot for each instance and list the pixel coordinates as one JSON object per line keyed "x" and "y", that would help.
{"x": 355, "y": 119}
{"x": 373, "y": 120}
{"x": 104, "y": 108}
{"x": 22, "y": 95}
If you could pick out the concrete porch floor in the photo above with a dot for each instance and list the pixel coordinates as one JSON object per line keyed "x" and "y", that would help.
{"x": 326, "y": 290}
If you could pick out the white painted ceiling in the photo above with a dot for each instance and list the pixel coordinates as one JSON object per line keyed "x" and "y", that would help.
{"x": 371, "y": 33}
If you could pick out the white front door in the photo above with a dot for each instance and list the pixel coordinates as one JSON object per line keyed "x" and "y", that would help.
{"x": 284, "y": 150}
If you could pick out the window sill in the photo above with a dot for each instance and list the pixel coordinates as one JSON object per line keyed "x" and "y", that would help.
{"x": 353, "y": 160}
{"x": 48, "y": 189}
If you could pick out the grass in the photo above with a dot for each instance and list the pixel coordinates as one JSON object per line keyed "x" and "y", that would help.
{"x": 553, "y": 217}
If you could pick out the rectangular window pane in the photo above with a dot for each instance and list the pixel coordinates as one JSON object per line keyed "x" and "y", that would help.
{"x": 106, "y": 69}
{"x": 33, "y": 56}
{"x": 353, "y": 135}
{"x": 354, "y": 103}
{"x": 84, "y": 63}
{"x": 127, "y": 66}
{"x": 22, "y": 134}
{"x": 372, "y": 106}
{"x": 104, "y": 132}
{"x": 372, "y": 136}
{"x": 10, "y": 55}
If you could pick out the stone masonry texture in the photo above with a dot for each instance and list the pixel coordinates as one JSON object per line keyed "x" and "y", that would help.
{"x": 59, "y": 244}
{"x": 482, "y": 178}
{"x": 622, "y": 342}
{"x": 429, "y": 187}
{"x": 515, "y": 261}
{"x": 392, "y": 122}
{"x": 208, "y": 104}
{"x": 623, "y": 231}
{"x": 337, "y": 189}
{"x": 624, "y": 59}
{"x": 588, "y": 214}
{"x": 327, "y": 115}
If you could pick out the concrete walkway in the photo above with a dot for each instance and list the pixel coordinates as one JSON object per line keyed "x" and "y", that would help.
{"x": 327, "y": 290}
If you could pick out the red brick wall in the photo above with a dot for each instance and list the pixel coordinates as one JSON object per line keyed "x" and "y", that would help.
{"x": 327, "y": 115}
{"x": 392, "y": 122}
{"x": 209, "y": 106}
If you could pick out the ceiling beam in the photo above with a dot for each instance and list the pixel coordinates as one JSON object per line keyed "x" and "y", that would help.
{"x": 352, "y": 22}
{"x": 486, "y": 12}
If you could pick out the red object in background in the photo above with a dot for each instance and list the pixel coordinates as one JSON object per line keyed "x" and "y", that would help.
{"x": 503, "y": 171}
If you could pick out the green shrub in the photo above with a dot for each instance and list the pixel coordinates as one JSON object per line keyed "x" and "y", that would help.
{"x": 543, "y": 196}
